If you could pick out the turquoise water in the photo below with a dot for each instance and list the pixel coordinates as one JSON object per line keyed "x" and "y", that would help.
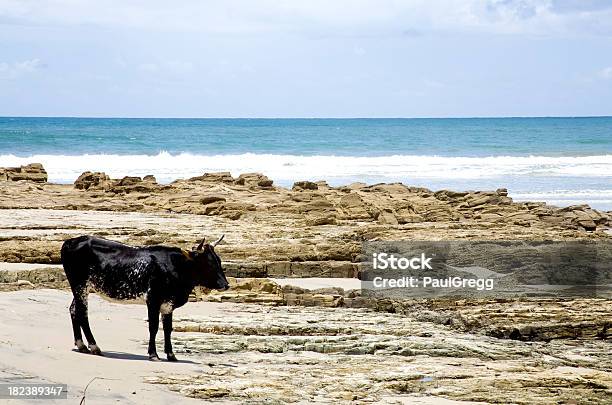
{"x": 345, "y": 137}
{"x": 559, "y": 160}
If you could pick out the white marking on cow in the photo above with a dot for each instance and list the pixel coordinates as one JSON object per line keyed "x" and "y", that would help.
{"x": 166, "y": 308}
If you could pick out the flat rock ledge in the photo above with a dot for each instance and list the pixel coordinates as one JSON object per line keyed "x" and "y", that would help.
{"x": 527, "y": 319}
{"x": 342, "y": 355}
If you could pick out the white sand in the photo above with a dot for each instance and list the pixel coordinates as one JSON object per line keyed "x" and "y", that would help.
{"x": 313, "y": 283}
{"x": 36, "y": 341}
{"x": 4, "y": 266}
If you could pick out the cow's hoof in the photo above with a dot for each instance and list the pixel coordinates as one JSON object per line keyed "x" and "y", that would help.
{"x": 83, "y": 349}
{"x": 171, "y": 357}
{"x": 95, "y": 350}
{"x": 80, "y": 346}
{"x": 154, "y": 357}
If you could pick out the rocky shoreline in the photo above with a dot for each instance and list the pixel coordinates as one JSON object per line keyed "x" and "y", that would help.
{"x": 314, "y": 230}
{"x": 287, "y": 232}
{"x": 316, "y": 203}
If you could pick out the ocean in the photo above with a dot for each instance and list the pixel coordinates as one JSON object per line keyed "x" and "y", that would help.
{"x": 562, "y": 161}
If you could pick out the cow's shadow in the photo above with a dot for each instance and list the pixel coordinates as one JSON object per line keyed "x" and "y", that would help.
{"x": 132, "y": 356}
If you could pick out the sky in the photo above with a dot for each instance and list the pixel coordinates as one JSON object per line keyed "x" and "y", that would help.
{"x": 310, "y": 58}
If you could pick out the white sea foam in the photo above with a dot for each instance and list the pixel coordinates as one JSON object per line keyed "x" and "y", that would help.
{"x": 599, "y": 199}
{"x": 564, "y": 194}
{"x": 286, "y": 168}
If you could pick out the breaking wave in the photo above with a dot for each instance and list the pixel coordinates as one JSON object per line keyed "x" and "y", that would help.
{"x": 336, "y": 169}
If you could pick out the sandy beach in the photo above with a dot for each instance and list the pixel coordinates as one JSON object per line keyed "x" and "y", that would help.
{"x": 240, "y": 361}
{"x": 292, "y": 256}
{"x": 28, "y": 356}
{"x": 119, "y": 375}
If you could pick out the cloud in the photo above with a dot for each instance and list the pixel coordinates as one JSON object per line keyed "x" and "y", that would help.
{"x": 149, "y": 67}
{"x": 322, "y": 17}
{"x": 433, "y": 83}
{"x": 359, "y": 51}
{"x": 17, "y": 69}
{"x": 568, "y": 6}
{"x": 605, "y": 73}
{"x": 167, "y": 66}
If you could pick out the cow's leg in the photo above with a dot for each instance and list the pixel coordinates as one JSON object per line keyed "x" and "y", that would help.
{"x": 76, "y": 330}
{"x": 167, "y": 322}
{"x": 83, "y": 320}
{"x": 153, "y": 310}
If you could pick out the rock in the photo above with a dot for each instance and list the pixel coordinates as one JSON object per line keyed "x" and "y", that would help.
{"x": 584, "y": 220}
{"x": 321, "y": 220}
{"x": 359, "y": 355}
{"x": 207, "y": 199}
{"x": 482, "y": 198}
{"x": 213, "y": 208}
{"x": 318, "y": 205}
{"x": 129, "y": 181}
{"x": 256, "y": 180}
{"x": 22, "y": 283}
{"x": 92, "y": 180}
{"x": 133, "y": 184}
{"x": 34, "y": 172}
{"x": 502, "y": 192}
{"x": 387, "y": 218}
{"x": 251, "y": 290}
{"x": 352, "y": 206}
{"x": 275, "y": 229}
{"x": 577, "y": 207}
{"x": 585, "y": 217}
{"x": 405, "y": 212}
{"x": 101, "y": 181}
{"x": 150, "y": 178}
{"x": 356, "y": 186}
{"x": 542, "y": 320}
{"x": 490, "y": 217}
{"x": 554, "y": 220}
{"x": 53, "y": 277}
{"x": 521, "y": 218}
{"x": 304, "y": 185}
{"x": 233, "y": 215}
{"x": 440, "y": 213}
{"x": 449, "y": 195}
{"x": 314, "y": 300}
{"x": 596, "y": 216}
{"x": 218, "y": 177}
{"x": 407, "y": 218}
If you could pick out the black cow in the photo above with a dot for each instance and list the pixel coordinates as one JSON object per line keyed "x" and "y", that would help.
{"x": 167, "y": 275}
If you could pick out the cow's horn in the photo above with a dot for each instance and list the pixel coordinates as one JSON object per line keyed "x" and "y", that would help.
{"x": 201, "y": 244}
{"x": 215, "y": 243}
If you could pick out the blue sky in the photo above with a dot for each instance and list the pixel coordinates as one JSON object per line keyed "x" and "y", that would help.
{"x": 271, "y": 58}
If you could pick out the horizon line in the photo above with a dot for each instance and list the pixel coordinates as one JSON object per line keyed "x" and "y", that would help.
{"x": 307, "y": 118}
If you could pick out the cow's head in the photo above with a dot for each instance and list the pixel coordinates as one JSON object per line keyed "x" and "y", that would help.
{"x": 209, "y": 272}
